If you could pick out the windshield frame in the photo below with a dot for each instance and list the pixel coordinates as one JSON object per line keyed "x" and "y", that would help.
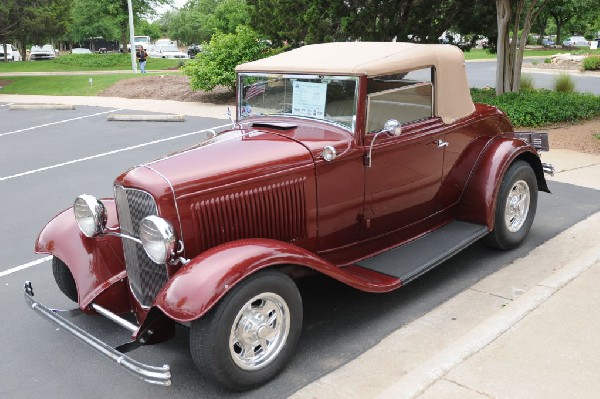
{"x": 239, "y": 96}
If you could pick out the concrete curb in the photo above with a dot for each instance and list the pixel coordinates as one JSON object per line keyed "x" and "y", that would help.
{"x": 421, "y": 378}
{"x": 15, "y": 107}
{"x": 576, "y": 72}
{"x": 146, "y": 118}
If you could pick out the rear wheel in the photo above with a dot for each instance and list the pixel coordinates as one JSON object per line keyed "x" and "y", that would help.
{"x": 64, "y": 278}
{"x": 246, "y": 339}
{"x": 516, "y": 205}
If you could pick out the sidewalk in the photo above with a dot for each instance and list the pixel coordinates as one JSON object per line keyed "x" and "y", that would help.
{"x": 161, "y": 106}
{"x": 528, "y": 331}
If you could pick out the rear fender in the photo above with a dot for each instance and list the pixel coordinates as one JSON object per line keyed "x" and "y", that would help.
{"x": 478, "y": 202}
{"x": 199, "y": 285}
{"x": 96, "y": 264}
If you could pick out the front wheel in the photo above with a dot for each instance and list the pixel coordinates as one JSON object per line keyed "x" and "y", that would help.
{"x": 246, "y": 339}
{"x": 64, "y": 278}
{"x": 516, "y": 205}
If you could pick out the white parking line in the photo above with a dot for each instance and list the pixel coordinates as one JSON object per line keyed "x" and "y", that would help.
{"x": 25, "y": 266}
{"x": 6, "y": 105}
{"x": 56, "y": 123}
{"x": 104, "y": 154}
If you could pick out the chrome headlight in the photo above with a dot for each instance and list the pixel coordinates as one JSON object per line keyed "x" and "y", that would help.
{"x": 158, "y": 238}
{"x": 90, "y": 214}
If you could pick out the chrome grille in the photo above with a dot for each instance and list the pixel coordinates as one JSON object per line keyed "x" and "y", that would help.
{"x": 146, "y": 278}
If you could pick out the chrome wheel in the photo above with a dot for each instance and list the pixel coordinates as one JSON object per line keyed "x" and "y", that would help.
{"x": 259, "y": 331}
{"x": 517, "y": 206}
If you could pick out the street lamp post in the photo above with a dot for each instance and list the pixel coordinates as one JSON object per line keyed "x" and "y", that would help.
{"x": 131, "y": 37}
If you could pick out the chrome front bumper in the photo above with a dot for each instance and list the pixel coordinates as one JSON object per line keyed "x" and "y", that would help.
{"x": 152, "y": 374}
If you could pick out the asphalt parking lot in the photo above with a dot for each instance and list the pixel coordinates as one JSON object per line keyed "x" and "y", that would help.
{"x": 48, "y": 157}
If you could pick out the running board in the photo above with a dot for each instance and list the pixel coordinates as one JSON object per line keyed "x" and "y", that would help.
{"x": 409, "y": 261}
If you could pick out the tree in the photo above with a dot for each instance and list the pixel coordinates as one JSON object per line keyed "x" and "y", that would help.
{"x": 33, "y": 21}
{"x": 561, "y": 11}
{"x": 199, "y": 19}
{"x": 152, "y": 29}
{"x": 513, "y": 16}
{"x": 215, "y": 65}
{"x": 8, "y": 22}
{"x": 87, "y": 22}
{"x": 314, "y": 21}
{"x": 102, "y": 17}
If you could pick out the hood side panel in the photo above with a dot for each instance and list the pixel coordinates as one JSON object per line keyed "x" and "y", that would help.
{"x": 276, "y": 211}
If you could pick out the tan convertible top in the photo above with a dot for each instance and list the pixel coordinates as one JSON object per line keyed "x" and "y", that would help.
{"x": 453, "y": 99}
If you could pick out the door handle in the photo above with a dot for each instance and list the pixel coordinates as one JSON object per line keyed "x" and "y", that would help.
{"x": 441, "y": 143}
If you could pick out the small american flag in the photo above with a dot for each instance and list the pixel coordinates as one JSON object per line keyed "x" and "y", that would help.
{"x": 255, "y": 89}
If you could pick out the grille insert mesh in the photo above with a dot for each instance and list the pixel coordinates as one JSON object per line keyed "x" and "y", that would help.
{"x": 146, "y": 278}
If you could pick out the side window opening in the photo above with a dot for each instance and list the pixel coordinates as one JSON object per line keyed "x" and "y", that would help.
{"x": 405, "y": 97}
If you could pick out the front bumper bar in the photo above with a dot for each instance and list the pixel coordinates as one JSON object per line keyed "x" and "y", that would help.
{"x": 152, "y": 374}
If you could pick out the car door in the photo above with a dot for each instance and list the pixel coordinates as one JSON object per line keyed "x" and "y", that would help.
{"x": 404, "y": 170}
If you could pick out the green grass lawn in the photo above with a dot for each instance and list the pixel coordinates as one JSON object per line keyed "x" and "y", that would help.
{"x": 62, "y": 85}
{"x": 93, "y": 62}
{"x": 480, "y": 54}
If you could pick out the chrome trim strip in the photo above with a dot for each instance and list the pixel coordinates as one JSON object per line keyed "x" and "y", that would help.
{"x": 114, "y": 318}
{"x": 174, "y": 200}
{"x": 151, "y": 374}
{"x": 121, "y": 235}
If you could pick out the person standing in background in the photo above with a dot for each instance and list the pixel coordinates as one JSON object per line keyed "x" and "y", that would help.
{"x": 141, "y": 55}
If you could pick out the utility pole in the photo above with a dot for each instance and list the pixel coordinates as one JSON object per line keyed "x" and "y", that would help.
{"x": 131, "y": 37}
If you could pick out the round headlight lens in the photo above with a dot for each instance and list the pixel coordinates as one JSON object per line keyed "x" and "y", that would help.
{"x": 90, "y": 214}
{"x": 158, "y": 238}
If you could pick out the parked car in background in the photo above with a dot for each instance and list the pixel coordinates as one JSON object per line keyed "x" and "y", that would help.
{"x": 165, "y": 42}
{"x": 547, "y": 42}
{"x": 165, "y": 51}
{"x": 366, "y": 162}
{"x": 45, "y": 52}
{"x": 576, "y": 41}
{"x": 194, "y": 49}
{"x": 12, "y": 53}
{"x": 81, "y": 51}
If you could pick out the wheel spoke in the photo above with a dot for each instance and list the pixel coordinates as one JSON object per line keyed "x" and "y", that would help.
{"x": 517, "y": 206}
{"x": 260, "y": 332}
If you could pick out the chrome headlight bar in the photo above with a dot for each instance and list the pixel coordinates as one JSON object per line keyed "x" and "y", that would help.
{"x": 157, "y": 235}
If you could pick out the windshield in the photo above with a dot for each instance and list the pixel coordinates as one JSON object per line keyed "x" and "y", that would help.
{"x": 329, "y": 98}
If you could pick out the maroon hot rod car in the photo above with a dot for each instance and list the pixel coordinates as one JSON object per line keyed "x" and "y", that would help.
{"x": 366, "y": 162}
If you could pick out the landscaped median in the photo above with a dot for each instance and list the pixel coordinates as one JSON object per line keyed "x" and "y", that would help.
{"x": 540, "y": 107}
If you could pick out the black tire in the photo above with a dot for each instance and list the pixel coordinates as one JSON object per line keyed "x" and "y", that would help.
{"x": 64, "y": 279}
{"x": 221, "y": 362}
{"x": 512, "y": 224}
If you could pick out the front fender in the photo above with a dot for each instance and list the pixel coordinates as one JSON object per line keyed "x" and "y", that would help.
{"x": 478, "y": 202}
{"x": 199, "y": 285}
{"x": 96, "y": 264}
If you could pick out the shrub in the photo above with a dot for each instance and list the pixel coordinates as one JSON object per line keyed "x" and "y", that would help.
{"x": 591, "y": 63}
{"x": 527, "y": 82}
{"x": 541, "y": 107}
{"x": 547, "y": 60}
{"x": 564, "y": 83}
{"x": 215, "y": 65}
{"x": 95, "y": 60}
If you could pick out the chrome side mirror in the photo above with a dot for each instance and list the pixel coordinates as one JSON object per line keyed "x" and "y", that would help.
{"x": 393, "y": 127}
